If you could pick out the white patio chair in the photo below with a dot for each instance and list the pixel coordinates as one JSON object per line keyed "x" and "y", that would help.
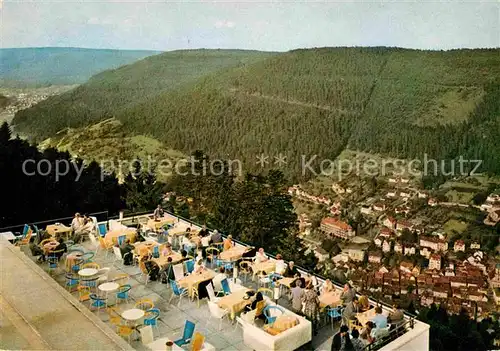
{"x": 216, "y": 312}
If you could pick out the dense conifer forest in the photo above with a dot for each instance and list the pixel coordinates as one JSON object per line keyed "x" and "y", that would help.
{"x": 398, "y": 102}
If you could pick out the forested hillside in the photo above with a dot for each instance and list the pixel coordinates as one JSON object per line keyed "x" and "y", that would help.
{"x": 400, "y": 102}
{"x": 34, "y": 67}
{"x": 111, "y": 92}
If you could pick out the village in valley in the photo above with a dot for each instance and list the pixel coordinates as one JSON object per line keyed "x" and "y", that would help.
{"x": 392, "y": 238}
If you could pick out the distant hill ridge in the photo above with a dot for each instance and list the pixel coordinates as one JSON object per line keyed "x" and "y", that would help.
{"x": 400, "y": 102}
{"x": 27, "y": 67}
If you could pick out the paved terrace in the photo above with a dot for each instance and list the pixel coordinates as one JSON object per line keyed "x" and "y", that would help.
{"x": 38, "y": 314}
{"x": 172, "y": 318}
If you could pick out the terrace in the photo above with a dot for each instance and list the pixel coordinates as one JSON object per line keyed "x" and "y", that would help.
{"x": 226, "y": 334}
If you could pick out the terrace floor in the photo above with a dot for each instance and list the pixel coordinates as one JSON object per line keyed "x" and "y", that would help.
{"x": 172, "y": 318}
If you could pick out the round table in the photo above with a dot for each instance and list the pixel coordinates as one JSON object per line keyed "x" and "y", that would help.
{"x": 87, "y": 272}
{"x": 133, "y": 314}
{"x": 108, "y": 287}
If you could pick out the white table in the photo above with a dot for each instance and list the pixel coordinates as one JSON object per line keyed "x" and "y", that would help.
{"x": 133, "y": 314}
{"x": 107, "y": 288}
{"x": 87, "y": 272}
{"x": 159, "y": 345}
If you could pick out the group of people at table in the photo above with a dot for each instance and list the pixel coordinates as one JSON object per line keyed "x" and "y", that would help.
{"x": 307, "y": 297}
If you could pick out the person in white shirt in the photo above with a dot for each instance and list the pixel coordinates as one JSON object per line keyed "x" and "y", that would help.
{"x": 77, "y": 222}
{"x": 199, "y": 267}
{"x": 218, "y": 278}
{"x": 260, "y": 256}
{"x": 281, "y": 266}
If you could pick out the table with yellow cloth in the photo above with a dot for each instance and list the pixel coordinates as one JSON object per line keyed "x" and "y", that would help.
{"x": 285, "y": 322}
{"x": 177, "y": 230}
{"x": 233, "y": 254}
{"x": 266, "y": 267}
{"x": 191, "y": 281}
{"x": 234, "y": 302}
{"x": 330, "y": 299}
{"x": 54, "y": 229}
{"x": 162, "y": 261}
{"x": 112, "y": 235}
{"x": 145, "y": 247}
{"x": 160, "y": 222}
{"x": 286, "y": 281}
{"x": 366, "y": 316}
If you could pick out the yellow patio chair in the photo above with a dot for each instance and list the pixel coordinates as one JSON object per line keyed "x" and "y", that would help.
{"x": 266, "y": 291}
{"x": 198, "y": 341}
{"x": 259, "y": 308}
{"x": 26, "y": 240}
{"x": 83, "y": 293}
{"x": 125, "y": 330}
{"x": 144, "y": 304}
{"x": 91, "y": 265}
{"x": 114, "y": 317}
{"x": 104, "y": 245}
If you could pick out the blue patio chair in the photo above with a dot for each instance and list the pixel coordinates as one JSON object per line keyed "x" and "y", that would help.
{"x": 187, "y": 335}
{"x": 189, "y": 266}
{"x": 97, "y": 301}
{"x": 122, "y": 293}
{"x": 334, "y": 314}
{"x": 71, "y": 281}
{"x": 225, "y": 286}
{"x": 270, "y": 319}
{"x": 156, "y": 251}
{"x": 151, "y": 317}
{"x": 176, "y": 291}
{"x": 121, "y": 239}
{"x": 102, "y": 229}
{"x": 26, "y": 229}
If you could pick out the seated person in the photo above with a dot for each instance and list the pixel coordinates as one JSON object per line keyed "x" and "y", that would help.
{"x": 291, "y": 271}
{"x": 366, "y": 335}
{"x": 357, "y": 344}
{"x": 204, "y": 232}
{"x": 312, "y": 279}
{"x": 253, "y": 305}
{"x": 84, "y": 230}
{"x": 127, "y": 250}
{"x": 380, "y": 320}
{"x": 260, "y": 256}
{"x": 228, "y": 242}
{"x": 167, "y": 250}
{"x": 186, "y": 242}
{"x": 184, "y": 255}
{"x": 57, "y": 250}
{"x": 218, "y": 278}
{"x": 327, "y": 287}
{"x": 396, "y": 317}
{"x": 216, "y": 237}
{"x": 363, "y": 303}
{"x": 158, "y": 213}
{"x": 280, "y": 265}
{"x": 77, "y": 222}
{"x": 199, "y": 267}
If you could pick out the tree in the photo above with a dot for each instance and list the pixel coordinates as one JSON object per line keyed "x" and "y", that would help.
{"x": 142, "y": 191}
{"x": 292, "y": 248}
{"x": 5, "y": 134}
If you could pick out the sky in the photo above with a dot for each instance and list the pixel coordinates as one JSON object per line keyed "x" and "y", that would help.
{"x": 262, "y": 25}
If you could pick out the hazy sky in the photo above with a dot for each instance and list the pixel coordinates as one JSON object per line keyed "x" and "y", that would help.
{"x": 263, "y": 25}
